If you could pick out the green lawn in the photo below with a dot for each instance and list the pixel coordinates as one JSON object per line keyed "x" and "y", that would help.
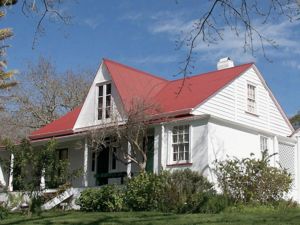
{"x": 255, "y": 217}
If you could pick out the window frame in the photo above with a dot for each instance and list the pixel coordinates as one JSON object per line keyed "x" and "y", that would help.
{"x": 264, "y": 138}
{"x": 251, "y": 98}
{"x": 60, "y": 153}
{"x": 171, "y": 151}
{"x": 104, "y": 96}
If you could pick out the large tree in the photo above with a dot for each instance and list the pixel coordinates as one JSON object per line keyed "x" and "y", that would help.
{"x": 5, "y": 76}
{"x": 43, "y": 95}
{"x": 43, "y": 9}
{"x": 295, "y": 120}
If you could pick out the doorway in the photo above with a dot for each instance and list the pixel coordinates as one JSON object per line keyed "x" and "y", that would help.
{"x": 102, "y": 166}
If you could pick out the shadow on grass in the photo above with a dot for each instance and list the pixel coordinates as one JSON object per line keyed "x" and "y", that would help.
{"x": 126, "y": 218}
{"x": 25, "y": 219}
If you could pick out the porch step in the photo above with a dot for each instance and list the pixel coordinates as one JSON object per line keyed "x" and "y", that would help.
{"x": 58, "y": 199}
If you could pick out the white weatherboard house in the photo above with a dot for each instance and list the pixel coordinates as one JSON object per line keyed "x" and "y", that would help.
{"x": 227, "y": 112}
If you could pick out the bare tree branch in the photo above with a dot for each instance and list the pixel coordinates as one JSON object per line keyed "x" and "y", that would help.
{"x": 239, "y": 16}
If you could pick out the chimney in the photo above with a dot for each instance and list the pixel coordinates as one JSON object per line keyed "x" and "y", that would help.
{"x": 225, "y": 63}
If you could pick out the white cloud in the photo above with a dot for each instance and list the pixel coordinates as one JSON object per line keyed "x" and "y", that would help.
{"x": 154, "y": 59}
{"x": 92, "y": 23}
{"x": 292, "y": 63}
{"x": 284, "y": 33}
{"x": 133, "y": 16}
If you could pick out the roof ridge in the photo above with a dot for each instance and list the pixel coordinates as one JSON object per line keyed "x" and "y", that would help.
{"x": 213, "y": 71}
{"x": 134, "y": 69}
{"x": 201, "y": 74}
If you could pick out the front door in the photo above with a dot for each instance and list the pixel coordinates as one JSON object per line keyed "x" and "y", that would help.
{"x": 150, "y": 154}
{"x": 102, "y": 166}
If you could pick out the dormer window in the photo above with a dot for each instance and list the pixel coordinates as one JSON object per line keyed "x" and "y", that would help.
{"x": 104, "y": 101}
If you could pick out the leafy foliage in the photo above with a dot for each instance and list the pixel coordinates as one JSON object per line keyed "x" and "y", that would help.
{"x": 253, "y": 180}
{"x": 182, "y": 191}
{"x": 30, "y": 164}
{"x": 146, "y": 191}
{"x": 190, "y": 192}
{"x": 3, "y": 212}
{"x": 295, "y": 119}
{"x": 108, "y": 198}
{"x": 5, "y": 76}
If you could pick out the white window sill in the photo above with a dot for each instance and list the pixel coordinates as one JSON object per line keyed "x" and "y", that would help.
{"x": 174, "y": 164}
{"x": 252, "y": 114}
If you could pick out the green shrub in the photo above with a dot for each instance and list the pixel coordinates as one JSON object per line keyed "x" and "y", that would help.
{"x": 35, "y": 205}
{"x": 145, "y": 191}
{"x": 108, "y": 198}
{"x": 215, "y": 204}
{"x": 3, "y": 212}
{"x": 182, "y": 191}
{"x": 251, "y": 180}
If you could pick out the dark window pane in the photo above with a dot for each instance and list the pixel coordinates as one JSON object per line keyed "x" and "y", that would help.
{"x": 180, "y": 129}
{"x": 174, "y": 138}
{"x": 181, "y": 148}
{"x": 186, "y": 138}
{"x": 180, "y": 155}
{"x": 100, "y": 114}
{"x": 186, "y": 129}
{"x": 175, "y": 130}
{"x": 93, "y": 161}
{"x": 100, "y": 102}
{"x": 108, "y": 98}
{"x": 108, "y": 89}
{"x": 174, "y": 156}
{"x": 186, "y": 155}
{"x": 100, "y": 90}
{"x": 107, "y": 112}
{"x": 114, "y": 160}
{"x": 180, "y": 138}
{"x": 63, "y": 154}
{"x": 175, "y": 147}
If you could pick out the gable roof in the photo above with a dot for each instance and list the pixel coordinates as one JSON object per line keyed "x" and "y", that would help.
{"x": 60, "y": 127}
{"x": 134, "y": 84}
{"x": 196, "y": 89}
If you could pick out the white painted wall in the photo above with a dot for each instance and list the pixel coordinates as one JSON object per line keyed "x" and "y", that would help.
{"x": 231, "y": 104}
{"x": 225, "y": 141}
{"x": 198, "y": 146}
{"x": 229, "y": 141}
{"x": 88, "y": 113}
{"x": 75, "y": 157}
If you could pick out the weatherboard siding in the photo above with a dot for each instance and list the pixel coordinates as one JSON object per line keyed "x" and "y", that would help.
{"x": 221, "y": 105}
{"x": 231, "y": 104}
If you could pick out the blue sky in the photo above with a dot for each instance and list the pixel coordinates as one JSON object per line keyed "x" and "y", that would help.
{"x": 143, "y": 33}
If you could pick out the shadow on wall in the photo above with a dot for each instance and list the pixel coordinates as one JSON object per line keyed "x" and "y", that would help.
{"x": 216, "y": 152}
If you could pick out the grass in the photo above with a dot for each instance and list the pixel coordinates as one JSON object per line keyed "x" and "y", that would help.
{"x": 234, "y": 216}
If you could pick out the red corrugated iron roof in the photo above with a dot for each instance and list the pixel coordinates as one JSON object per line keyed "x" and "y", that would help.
{"x": 62, "y": 126}
{"x": 133, "y": 84}
{"x": 196, "y": 89}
